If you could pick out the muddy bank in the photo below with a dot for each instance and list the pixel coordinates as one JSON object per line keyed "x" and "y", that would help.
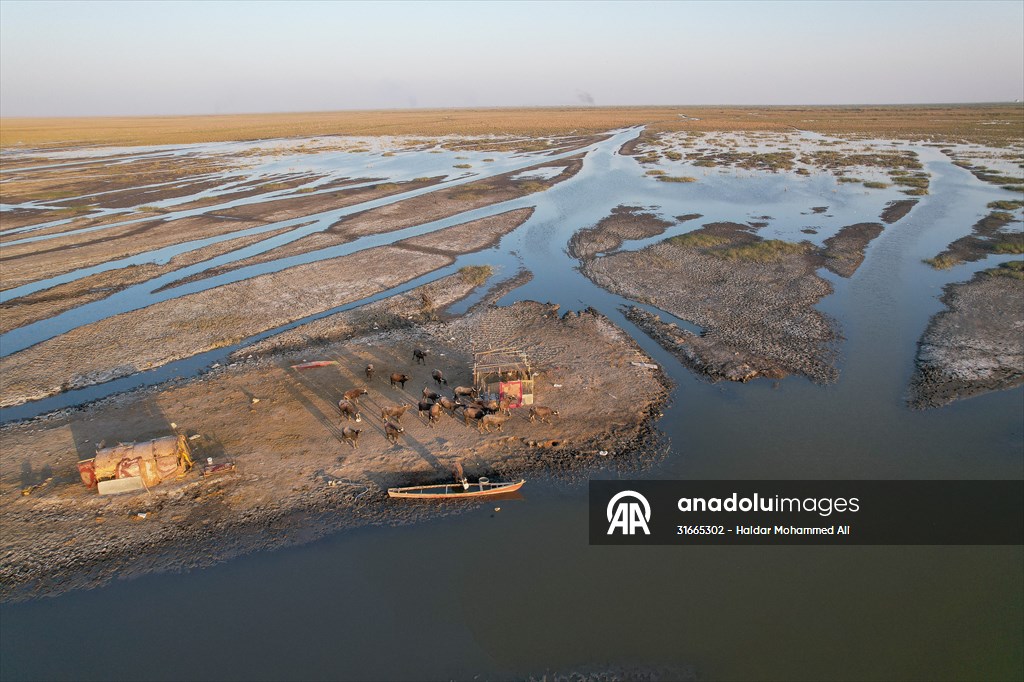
{"x": 989, "y": 235}
{"x": 296, "y": 479}
{"x": 222, "y": 316}
{"x": 300, "y": 205}
{"x": 625, "y": 222}
{"x": 34, "y": 261}
{"x": 110, "y": 182}
{"x": 55, "y": 300}
{"x": 844, "y": 252}
{"x": 895, "y": 210}
{"x": 443, "y": 203}
{"x": 974, "y": 346}
{"x": 753, "y": 298}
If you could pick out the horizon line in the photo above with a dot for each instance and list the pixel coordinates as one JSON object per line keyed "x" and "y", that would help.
{"x": 582, "y": 107}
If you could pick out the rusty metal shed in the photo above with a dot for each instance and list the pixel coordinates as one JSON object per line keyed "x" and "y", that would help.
{"x": 504, "y": 372}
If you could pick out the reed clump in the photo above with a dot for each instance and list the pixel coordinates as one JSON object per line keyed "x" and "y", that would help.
{"x": 1014, "y": 269}
{"x": 475, "y": 275}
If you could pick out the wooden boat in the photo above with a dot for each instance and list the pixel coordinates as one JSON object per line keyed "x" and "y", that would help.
{"x": 447, "y": 491}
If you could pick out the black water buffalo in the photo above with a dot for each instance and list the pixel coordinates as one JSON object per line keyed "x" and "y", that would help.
{"x": 420, "y": 355}
{"x": 438, "y": 376}
{"x": 474, "y": 413}
{"x": 433, "y": 411}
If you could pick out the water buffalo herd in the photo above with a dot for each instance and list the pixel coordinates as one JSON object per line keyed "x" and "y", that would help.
{"x": 486, "y": 414}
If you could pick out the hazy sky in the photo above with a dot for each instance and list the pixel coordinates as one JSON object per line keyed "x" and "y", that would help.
{"x": 109, "y": 58}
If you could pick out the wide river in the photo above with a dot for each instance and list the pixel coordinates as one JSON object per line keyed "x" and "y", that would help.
{"x": 515, "y": 593}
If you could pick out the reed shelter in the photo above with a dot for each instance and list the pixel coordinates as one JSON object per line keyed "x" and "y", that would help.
{"x": 504, "y": 372}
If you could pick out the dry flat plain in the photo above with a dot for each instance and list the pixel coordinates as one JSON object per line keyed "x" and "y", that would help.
{"x": 357, "y": 237}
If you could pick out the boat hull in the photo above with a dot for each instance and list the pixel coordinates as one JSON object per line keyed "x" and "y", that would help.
{"x": 453, "y": 491}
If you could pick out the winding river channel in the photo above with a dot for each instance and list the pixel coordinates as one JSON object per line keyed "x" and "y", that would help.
{"x": 517, "y": 593}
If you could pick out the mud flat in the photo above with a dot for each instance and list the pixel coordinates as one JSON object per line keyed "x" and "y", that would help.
{"x": 31, "y": 261}
{"x": 443, "y": 203}
{"x": 974, "y": 346}
{"x": 222, "y": 316}
{"x": 752, "y": 297}
{"x": 625, "y": 222}
{"x": 34, "y": 261}
{"x": 295, "y": 478}
{"x": 40, "y": 305}
{"x": 844, "y": 251}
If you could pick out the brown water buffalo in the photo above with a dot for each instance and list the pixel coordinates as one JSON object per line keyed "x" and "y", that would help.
{"x": 351, "y": 436}
{"x": 438, "y": 376}
{"x": 395, "y": 412}
{"x": 505, "y": 405}
{"x": 489, "y": 420}
{"x": 369, "y": 371}
{"x": 465, "y": 391}
{"x": 353, "y": 395}
{"x": 349, "y": 410}
{"x": 542, "y": 413}
{"x": 420, "y": 356}
{"x": 397, "y": 378}
{"x": 392, "y": 431}
{"x": 449, "y": 404}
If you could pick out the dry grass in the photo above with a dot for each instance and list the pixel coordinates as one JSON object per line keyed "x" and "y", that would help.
{"x": 697, "y": 240}
{"x": 763, "y": 251}
{"x": 943, "y": 262}
{"x": 1013, "y": 269}
{"x": 475, "y": 275}
{"x": 947, "y": 122}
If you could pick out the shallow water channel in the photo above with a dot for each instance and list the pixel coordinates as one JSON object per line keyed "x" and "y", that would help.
{"x": 514, "y": 593}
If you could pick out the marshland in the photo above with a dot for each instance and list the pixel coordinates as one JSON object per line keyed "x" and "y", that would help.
{"x": 825, "y": 293}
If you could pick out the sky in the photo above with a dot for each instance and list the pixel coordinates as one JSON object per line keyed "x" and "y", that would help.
{"x": 167, "y": 58}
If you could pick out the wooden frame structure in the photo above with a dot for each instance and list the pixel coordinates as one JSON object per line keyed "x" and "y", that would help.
{"x": 504, "y": 372}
